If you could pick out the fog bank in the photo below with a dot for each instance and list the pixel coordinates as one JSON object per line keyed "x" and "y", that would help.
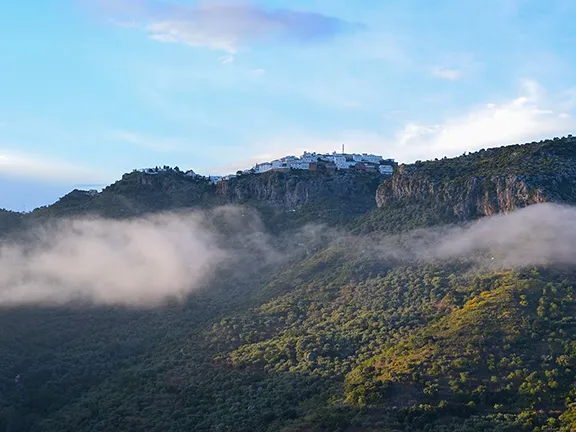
{"x": 147, "y": 261}
{"x": 139, "y": 262}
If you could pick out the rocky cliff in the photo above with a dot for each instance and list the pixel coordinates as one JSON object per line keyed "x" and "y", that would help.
{"x": 284, "y": 199}
{"x": 297, "y": 188}
{"x": 487, "y": 182}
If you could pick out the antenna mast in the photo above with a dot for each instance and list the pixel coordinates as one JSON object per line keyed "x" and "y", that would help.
{"x": 342, "y": 148}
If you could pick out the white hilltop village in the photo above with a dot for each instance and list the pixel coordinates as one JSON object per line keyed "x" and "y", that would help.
{"x": 308, "y": 161}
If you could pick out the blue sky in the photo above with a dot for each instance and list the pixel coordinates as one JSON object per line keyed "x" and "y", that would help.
{"x": 90, "y": 89}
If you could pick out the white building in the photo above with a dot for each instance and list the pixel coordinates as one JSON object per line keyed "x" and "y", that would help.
{"x": 278, "y": 164}
{"x": 343, "y": 161}
{"x": 371, "y": 158}
{"x": 386, "y": 169}
{"x": 310, "y": 157}
{"x": 263, "y": 167}
{"x": 298, "y": 164}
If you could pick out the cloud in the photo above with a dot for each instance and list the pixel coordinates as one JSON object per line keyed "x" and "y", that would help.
{"x": 536, "y": 235}
{"x": 222, "y": 26}
{"x": 532, "y": 115}
{"x": 227, "y": 59}
{"x": 140, "y": 262}
{"x": 39, "y": 167}
{"x": 543, "y": 234}
{"x": 259, "y": 71}
{"x": 445, "y": 73}
{"x": 454, "y": 66}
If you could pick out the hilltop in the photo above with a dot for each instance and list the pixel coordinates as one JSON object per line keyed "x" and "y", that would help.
{"x": 284, "y": 199}
{"x": 475, "y": 185}
{"x": 358, "y": 329}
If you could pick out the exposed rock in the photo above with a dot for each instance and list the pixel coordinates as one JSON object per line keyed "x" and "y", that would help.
{"x": 323, "y": 197}
{"x": 293, "y": 189}
{"x": 488, "y": 182}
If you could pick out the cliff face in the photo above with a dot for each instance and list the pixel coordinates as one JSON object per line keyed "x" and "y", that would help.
{"x": 293, "y": 189}
{"x": 284, "y": 199}
{"x": 480, "y": 184}
{"x": 487, "y": 182}
{"x": 466, "y": 199}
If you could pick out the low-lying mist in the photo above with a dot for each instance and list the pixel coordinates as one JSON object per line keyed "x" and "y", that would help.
{"x": 142, "y": 262}
{"x": 135, "y": 262}
{"x": 147, "y": 261}
{"x": 543, "y": 234}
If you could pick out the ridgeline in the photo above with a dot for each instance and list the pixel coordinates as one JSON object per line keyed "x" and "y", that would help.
{"x": 341, "y": 336}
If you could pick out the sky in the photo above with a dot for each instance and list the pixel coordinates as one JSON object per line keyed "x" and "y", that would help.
{"x": 91, "y": 89}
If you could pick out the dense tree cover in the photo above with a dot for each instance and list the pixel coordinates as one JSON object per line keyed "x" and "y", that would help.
{"x": 543, "y": 157}
{"x": 9, "y": 221}
{"x": 331, "y": 198}
{"x": 339, "y": 336}
{"x": 474, "y": 185}
{"x": 332, "y": 343}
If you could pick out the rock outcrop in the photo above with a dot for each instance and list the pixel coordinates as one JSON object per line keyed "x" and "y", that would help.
{"x": 301, "y": 196}
{"x": 293, "y": 189}
{"x": 487, "y": 182}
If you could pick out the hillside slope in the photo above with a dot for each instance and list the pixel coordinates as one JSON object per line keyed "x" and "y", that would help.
{"x": 284, "y": 200}
{"x": 347, "y": 333}
{"x": 9, "y": 221}
{"x": 475, "y": 185}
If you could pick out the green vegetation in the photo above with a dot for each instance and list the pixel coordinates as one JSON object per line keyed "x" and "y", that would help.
{"x": 9, "y": 221}
{"x": 338, "y": 339}
{"x": 284, "y": 200}
{"x": 544, "y": 157}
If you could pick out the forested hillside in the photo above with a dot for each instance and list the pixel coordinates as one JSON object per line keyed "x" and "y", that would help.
{"x": 284, "y": 200}
{"x": 342, "y": 318}
{"x": 9, "y": 221}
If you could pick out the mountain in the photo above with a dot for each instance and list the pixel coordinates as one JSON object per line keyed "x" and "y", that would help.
{"x": 472, "y": 186}
{"x": 9, "y": 221}
{"x": 489, "y": 181}
{"x": 284, "y": 199}
{"x": 359, "y": 326}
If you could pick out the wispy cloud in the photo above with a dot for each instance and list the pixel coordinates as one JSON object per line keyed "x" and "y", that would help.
{"x": 39, "y": 167}
{"x": 227, "y": 59}
{"x": 454, "y": 66}
{"x": 222, "y": 26}
{"x": 532, "y": 115}
{"x": 446, "y": 73}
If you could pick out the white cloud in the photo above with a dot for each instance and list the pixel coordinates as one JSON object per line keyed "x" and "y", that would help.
{"x": 227, "y": 59}
{"x": 445, "y": 73}
{"x": 40, "y": 167}
{"x": 259, "y": 71}
{"x": 453, "y": 66}
{"x": 532, "y": 115}
{"x": 183, "y": 32}
{"x": 220, "y": 26}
